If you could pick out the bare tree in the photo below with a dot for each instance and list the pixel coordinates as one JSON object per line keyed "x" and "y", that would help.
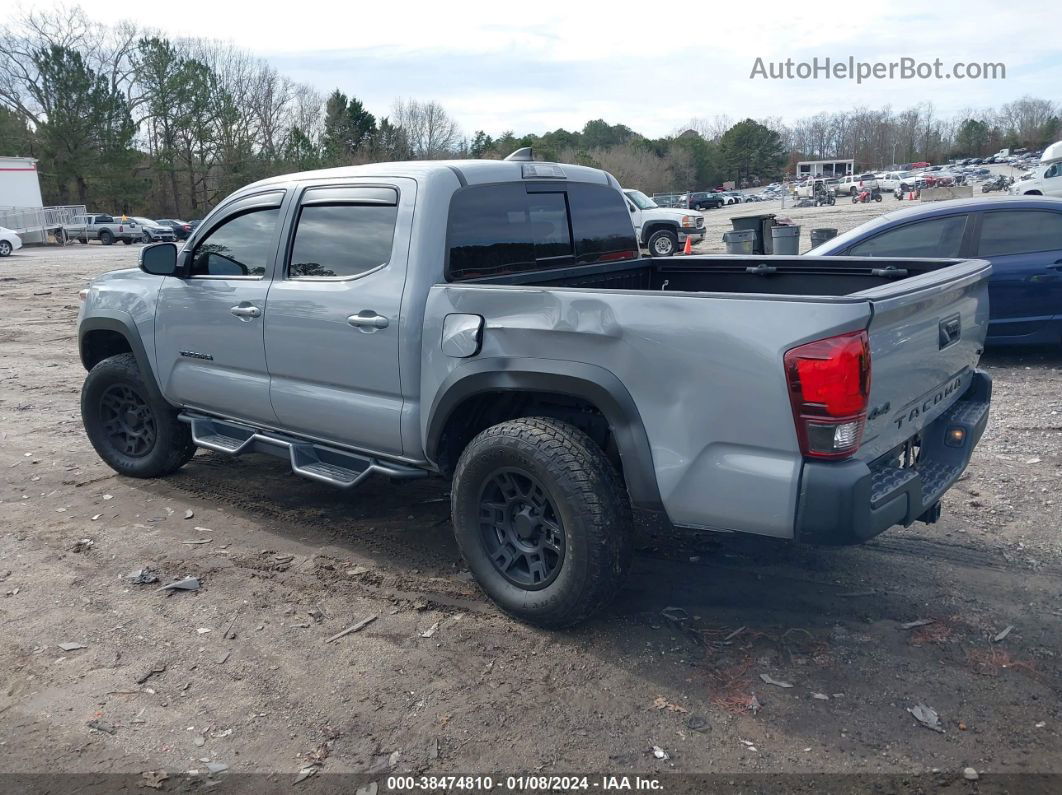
{"x": 431, "y": 132}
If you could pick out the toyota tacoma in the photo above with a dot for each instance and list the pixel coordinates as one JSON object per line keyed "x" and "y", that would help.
{"x": 491, "y": 322}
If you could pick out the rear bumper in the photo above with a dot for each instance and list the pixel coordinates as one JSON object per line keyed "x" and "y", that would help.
{"x": 850, "y": 502}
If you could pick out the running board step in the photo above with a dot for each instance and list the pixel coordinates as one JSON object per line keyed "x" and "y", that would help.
{"x": 342, "y": 468}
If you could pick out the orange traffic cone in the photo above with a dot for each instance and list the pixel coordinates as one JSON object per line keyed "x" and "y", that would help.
{"x": 688, "y": 248}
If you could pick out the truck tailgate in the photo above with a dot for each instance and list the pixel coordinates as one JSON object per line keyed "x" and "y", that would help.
{"x": 926, "y": 334}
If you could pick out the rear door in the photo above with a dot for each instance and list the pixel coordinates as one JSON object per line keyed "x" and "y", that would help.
{"x": 1025, "y": 248}
{"x": 333, "y": 318}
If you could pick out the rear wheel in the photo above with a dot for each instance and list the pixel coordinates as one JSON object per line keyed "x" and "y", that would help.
{"x": 5, "y": 248}
{"x": 663, "y": 243}
{"x": 106, "y": 238}
{"x": 127, "y": 240}
{"x": 543, "y": 520}
{"x": 133, "y": 429}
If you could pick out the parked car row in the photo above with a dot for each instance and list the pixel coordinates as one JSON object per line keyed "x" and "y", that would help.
{"x": 109, "y": 229}
{"x": 703, "y": 200}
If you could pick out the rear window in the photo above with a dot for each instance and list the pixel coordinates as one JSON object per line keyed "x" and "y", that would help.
{"x": 515, "y": 227}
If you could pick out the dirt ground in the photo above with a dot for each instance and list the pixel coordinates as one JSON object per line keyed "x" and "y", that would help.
{"x": 239, "y": 673}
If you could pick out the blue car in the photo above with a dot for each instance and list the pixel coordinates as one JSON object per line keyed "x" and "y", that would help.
{"x": 1021, "y": 236}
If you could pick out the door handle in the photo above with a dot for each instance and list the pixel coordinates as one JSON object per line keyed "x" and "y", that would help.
{"x": 367, "y": 319}
{"x": 246, "y": 312}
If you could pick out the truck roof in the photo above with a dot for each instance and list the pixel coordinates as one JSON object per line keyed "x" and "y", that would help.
{"x": 1052, "y": 153}
{"x": 471, "y": 172}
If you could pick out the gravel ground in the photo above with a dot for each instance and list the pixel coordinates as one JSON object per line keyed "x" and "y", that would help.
{"x": 239, "y": 673}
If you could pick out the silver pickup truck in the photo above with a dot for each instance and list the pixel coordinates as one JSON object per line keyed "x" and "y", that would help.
{"x": 491, "y": 322}
{"x": 105, "y": 228}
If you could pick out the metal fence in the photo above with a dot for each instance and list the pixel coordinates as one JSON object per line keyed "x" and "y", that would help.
{"x": 34, "y": 223}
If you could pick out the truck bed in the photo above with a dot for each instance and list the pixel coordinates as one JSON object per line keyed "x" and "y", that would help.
{"x": 699, "y": 343}
{"x": 747, "y": 275}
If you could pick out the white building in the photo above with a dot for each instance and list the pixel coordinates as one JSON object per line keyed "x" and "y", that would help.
{"x": 21, "y": 206}
{"x": 19, "y": 185}
{"x": 824, "y": 168}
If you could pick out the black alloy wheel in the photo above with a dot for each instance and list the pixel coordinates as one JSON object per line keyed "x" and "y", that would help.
{"x": 522, "y": 533}
{"x": 127, "y": 420}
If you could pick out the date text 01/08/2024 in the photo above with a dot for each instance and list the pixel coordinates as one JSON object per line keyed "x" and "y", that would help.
{"x": 521, "y": 783}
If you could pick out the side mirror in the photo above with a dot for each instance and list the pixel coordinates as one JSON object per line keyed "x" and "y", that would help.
{"x": 159, "y": 259}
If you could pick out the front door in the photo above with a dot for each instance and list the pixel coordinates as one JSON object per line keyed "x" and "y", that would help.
{"x": 208, "y": 325}
{"x": 333, "y": 317}
{"x": 1053, "y": 180}
{"x": 1025, "y": 289}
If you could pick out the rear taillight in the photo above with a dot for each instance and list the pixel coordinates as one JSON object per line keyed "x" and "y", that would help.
{"x": 829, "y": 385}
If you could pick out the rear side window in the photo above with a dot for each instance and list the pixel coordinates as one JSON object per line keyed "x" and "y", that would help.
{"x": 935, "y": 237}
{"x": 1019, "y": 232}
{"x": 516, "y": 227}
{"x": 342, "y": 241}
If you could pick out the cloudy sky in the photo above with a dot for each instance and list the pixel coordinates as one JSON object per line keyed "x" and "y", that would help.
{"x": 538, "y": 66}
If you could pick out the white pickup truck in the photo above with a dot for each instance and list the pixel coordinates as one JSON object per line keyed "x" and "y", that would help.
{"x": 661, "y": 229}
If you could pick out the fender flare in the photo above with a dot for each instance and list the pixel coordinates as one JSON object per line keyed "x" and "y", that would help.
{"x": 654, "y": 226}
{"x": 129, "y": 331}
{"x": 574, "y": 379}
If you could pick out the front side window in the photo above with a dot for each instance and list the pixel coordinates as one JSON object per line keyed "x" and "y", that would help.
{"x": 242, "y": 246}
{"x": 342, "y": 240}
{"x": 1019, "y": 232}
{"x": 641, "y": 201}
{"x": 936, "y": 237}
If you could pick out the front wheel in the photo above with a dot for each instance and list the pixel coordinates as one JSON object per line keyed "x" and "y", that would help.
{"x": 543, "y": 521}
{"x": 127, "y": 240}
{"x": 663, "y": 243}
{"x": 134, "y": 430}
{"x": 145, "y": 238}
